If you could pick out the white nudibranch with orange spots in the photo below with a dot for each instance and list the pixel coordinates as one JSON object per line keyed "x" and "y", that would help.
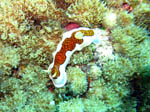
{"x": 73, "y": 40}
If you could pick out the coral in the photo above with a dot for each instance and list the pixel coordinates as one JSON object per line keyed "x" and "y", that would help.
{"x": 63, "y": 4}
{"x": 94, "y": 105}
{"x": 104, "y": 51}
{"x": 33, "y": 36}
{"x": 134, "y": 3}
{"x": 75, "y": 105}
{"x": 14, "y": 103}
{"x": 43, "y": 9}
{"x": 110, "y": 19}
{"x": 96, "y": 89}
{"x": 110, "y": 95}
{"x": 126, "y": 40}
{"x": 9, "y": 58}
{"x": 77, "y": 79}
{"x": 10, "y": 85}
{"x": 142, "y": 15}
{"x": 70, "y": 1}
{"x": 89, "y": 15}
{"x": 114, "y": 3}
{"x": 118, "y": 69}
{"x": 95, "y": 71}
{"x": 83, "y": 57}
{"x": 141, "y": 61}
{"x": 28, "y": 91}
{"x": 125, "y": 18}
{"x": 21, "y": 101}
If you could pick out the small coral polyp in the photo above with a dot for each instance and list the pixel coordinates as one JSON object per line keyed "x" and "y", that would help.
{"x": 72, "y": 41}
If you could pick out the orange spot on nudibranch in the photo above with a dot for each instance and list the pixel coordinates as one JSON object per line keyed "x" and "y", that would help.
{"x": 68, "y": 45}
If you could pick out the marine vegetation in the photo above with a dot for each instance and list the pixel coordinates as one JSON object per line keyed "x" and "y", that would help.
{"x": 111, "y": 74}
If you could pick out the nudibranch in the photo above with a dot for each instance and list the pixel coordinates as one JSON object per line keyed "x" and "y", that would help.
{"x": 73, "y": 40}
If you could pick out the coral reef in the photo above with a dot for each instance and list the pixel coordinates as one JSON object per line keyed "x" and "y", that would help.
{"x": 110, "y": 77}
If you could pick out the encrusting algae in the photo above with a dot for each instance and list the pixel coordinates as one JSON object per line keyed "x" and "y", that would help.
{"x": 106, "y": 75}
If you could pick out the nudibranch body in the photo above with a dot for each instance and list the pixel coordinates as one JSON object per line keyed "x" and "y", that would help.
{"x": 73, "y": 40}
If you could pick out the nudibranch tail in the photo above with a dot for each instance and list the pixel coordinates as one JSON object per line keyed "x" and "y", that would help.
{"x": 73, "y": 40}
{"x": 60, "y": 81}
{"x": 55, "y": 72}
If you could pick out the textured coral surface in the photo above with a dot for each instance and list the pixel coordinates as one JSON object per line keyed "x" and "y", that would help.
{"x": 110, "y": 77}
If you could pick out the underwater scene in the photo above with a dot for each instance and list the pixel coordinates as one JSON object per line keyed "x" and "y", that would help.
{"x": 74, "y": 55}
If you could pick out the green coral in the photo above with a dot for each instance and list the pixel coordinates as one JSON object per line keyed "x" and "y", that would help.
{"x": 75, "y": 105}
{"x": 142, "y": 15}
{"x": 9, "y": 58}
{"x": 78, "y": 80}
{"x": 29, "y": 91}
{"x": 84, "y": 56}
{"x": 94, "y": 105}
{"x": 118, "y": 69}
{"x": 126, "y": 40}
{"x": 95, "y": 71}
{"x": 142, "y": 60}
{"x": 125, "y": 18}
